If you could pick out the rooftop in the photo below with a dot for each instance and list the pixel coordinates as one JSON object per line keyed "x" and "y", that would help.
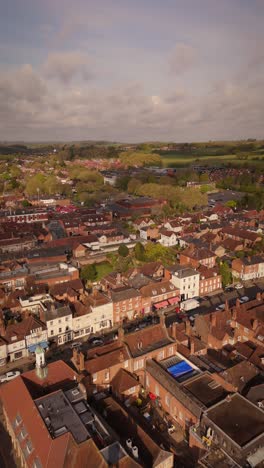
{"x": 238, "y": 418}
{"x": 205, "y": 389}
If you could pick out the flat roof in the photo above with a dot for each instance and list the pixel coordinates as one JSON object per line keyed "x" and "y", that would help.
{"x": 238, "y": 418}
{"x": 205, "y": 389}
{"x": 60, "y": 417}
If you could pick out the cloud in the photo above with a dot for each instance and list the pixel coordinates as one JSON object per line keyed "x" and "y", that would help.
{"x": 23, "y": 84}
{"x": 182, "y": 59}
{"x": 65, "y": 66}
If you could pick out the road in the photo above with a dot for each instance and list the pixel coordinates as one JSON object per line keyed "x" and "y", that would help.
{"x": 209, "y": 305}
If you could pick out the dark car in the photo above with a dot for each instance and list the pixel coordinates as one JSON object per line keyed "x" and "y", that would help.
{"x": 96, "y": 341}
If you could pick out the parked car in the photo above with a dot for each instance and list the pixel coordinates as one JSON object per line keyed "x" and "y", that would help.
{"x": 239, "y": 286}
{"x": 95, "y": 341}
{"x": 229, "y": 289}
{"x": 77, "y": 344}
{"x": 220, "y": 307}
{"x": 244, "y": 299}
{"x": 9, "y": 376}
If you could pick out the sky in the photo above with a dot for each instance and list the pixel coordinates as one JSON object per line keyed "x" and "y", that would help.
{"x": 131, "y": 70}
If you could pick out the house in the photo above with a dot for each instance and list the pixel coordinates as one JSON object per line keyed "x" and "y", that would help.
{"x": 197, "y": 256}
{"x": 210, "y": 280}
{"x": 149, "y": 233}
{"x": 142, "y": 223}
{"x": 126, "y": 303}
{"x": 154, "y": 270}
{"x": 218, "y": 428}
{"x": 174, "y": 226}
{"x": 248, "y": 238}
{"x": 23, "y": 337}
{"x": 181, "y": 389}
{"x": 70, "y": 290}
{"x": 186, "y": 279}
{"x": 125, "y": 385}
{"x": 248, "y": 268}
{"x": 159, "y": 295}
{"x": 58, "y": 322}
{"x": 168, "y": 238}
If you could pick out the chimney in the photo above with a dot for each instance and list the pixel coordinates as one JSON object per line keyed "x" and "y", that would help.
{"x": 121, "y": 333}
{"x": 191, "y": 345}
{"x": 162, "y": 319}
{"x": 74, "y": 354}
{"x": 2, "y": 327}
{"x": 188, "y": 327}
{"x": 81, "y": 362}
{"x": 121, "y": 356}
{"x": 213, "y": 319}
{"x": 173, "y": 329}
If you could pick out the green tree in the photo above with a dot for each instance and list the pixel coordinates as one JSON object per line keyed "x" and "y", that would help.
{"x": 88, "y": 273}
{"x": 139, "y": 251}
{"x": 226, "y": 273}
{"x": 123, "y": 250}
{"x": 133, "y": 185}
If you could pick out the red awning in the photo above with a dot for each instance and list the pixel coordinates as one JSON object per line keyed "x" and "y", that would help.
{"x": 159, "y": 305}
{"x": 152, "y": 396}
{"x": 173, "y": 300}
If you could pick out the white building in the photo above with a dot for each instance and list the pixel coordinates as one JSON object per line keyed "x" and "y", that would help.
{"x": 3, "y": 352}
{"x": 186, "y": 279}
{"x": 99, "y": 316}
{"x": 168, "y": 238}
{"x": 59, "y": 324}
{"x": 36, "y": 303}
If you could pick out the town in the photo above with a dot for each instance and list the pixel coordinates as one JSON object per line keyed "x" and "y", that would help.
{"x": 132, "y": 308}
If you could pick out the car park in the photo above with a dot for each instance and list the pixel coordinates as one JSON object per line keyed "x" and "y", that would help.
{"x": 9, "y": 376}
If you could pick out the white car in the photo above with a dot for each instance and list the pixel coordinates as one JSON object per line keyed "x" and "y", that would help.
{"x": 239, "y": 286}
{"x": 220, "y": 307}
{"x": 244, "y": 299}
{"x": 9, "y": 376}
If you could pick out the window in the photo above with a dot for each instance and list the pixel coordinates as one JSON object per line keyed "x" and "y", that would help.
{"x": 23, "y": 433}
{"x": 60, "y": 330}
{"x": 136, "y": 365}
{"x": 37, "y": 463}
{"x": 18, "y": 419}
{"x": 170, "y": 351}
{"x": 126, "y": 364}
{"x": 167, "y": 400}
{"x": 51, "y": 322}
{"x": 52, "y": 332}
{"x": 141, "y": 363}
{"x": 156, "y": 390}
{"x": 161, "y": 355}
{"x": 147, "y": 381}
{"x": 29, "y": 447}
{"x": 132, "y": 390}
{"x": 94, "y": 377}
{"x": 106, "y": 375}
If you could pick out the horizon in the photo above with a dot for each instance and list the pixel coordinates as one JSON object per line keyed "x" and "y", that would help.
{"x": 123, "y": 71}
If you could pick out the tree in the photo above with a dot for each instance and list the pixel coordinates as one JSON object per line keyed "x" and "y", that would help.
{"x": 226, "y": 274}
{"x": 139, "y": 251}
{"x": 123, "y": 250}
{"x": 133, "y": 185}
{"x": 88, "y": 273}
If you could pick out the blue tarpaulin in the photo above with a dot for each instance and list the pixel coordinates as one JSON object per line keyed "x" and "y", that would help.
{"x": 179, "y": 369}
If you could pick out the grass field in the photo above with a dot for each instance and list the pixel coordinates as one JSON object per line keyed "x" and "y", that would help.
{"x": 177, "y": 159}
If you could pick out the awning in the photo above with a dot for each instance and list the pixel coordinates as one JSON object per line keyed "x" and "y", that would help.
{"x": 152, "y": 396}
{"x": 174, "y": 300}
{"x": 43, "y": 344}
{"x": 160, "y": 305}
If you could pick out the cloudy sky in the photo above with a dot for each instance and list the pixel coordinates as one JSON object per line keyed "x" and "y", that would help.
{"x": 131, "y": 70}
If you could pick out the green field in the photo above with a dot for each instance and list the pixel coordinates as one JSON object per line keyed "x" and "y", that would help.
{"x": 178, "y": 159}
